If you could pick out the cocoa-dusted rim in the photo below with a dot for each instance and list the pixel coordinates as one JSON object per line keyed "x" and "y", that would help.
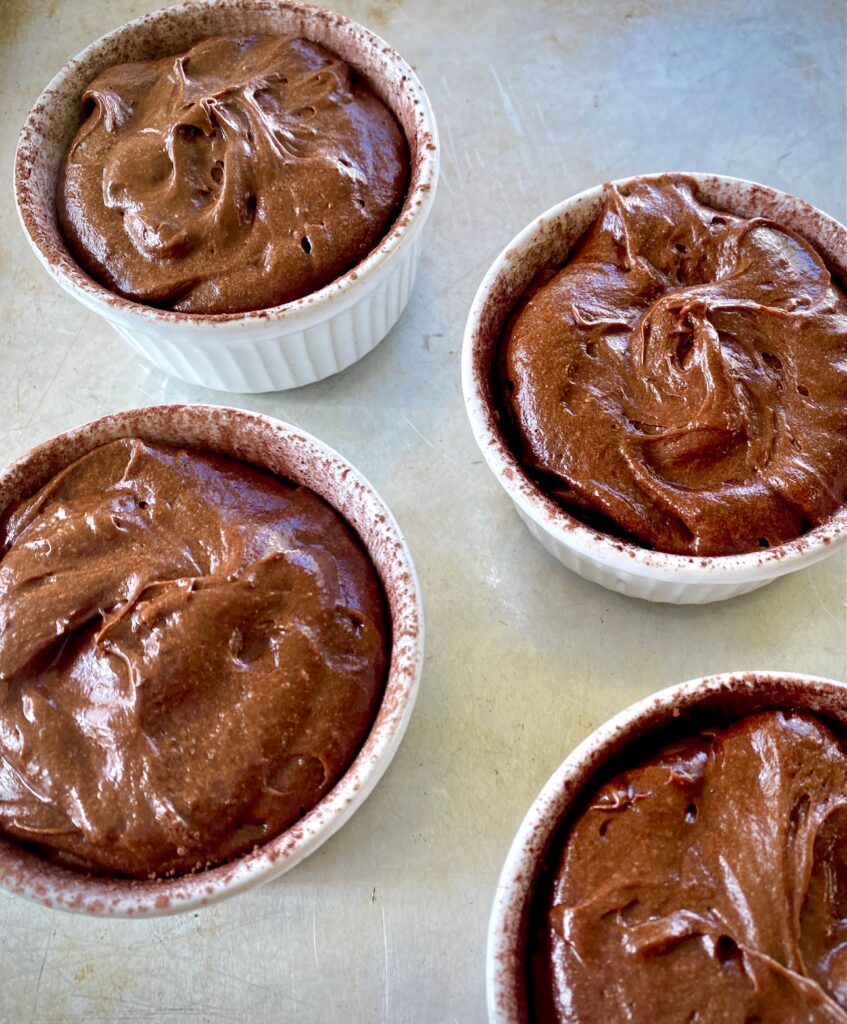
{"x": 731, "y": 694}
{"x": 548, "y": 239}
{"x": 45, "y": 130}
{"x": 287, "y": 451}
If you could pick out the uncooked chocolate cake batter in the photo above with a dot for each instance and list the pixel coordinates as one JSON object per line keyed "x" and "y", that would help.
{"x": 191, "y": 654}
{"x": 242, "y": 174}
{"x": 682, "y": 380}
{"x": 709, "y": 884}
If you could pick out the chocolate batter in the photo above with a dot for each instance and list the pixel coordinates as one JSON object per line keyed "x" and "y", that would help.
{"x": 242, "y": 174}
{"x": 709, "y": 884}
{"x": 682, "y": 381}
{"x": 191, "y": 654}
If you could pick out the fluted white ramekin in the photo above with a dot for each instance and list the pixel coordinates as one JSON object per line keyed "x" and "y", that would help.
{"x": 271, "y": 349}
{"x": 288, "y": 452}
{"x": 613, "y": 563}
{"x": 730, "y": 695}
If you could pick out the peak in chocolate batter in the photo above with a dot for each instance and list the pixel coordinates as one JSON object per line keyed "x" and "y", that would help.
{"x": 242, "y": 174}
{"x": 708, "y": 885}
{"x": 682, "y": 381}
{"x": 191, "y": 654}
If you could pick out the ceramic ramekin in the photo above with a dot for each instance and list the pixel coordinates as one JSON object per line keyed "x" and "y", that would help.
{"x": 291, "y": 453}
{"x": 271, "y": 349}
{"x": 615, "y": 564}
{"x": 730, "y": 695}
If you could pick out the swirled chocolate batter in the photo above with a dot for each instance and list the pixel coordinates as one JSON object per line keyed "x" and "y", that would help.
{"x": 191, "y": 654}
{"x": 682, "y": 381}
{"x": 242, "y": 174}
{"x": 709, "y": 884}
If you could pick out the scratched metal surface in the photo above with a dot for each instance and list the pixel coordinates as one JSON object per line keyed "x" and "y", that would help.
{"x": 535, "y": 101}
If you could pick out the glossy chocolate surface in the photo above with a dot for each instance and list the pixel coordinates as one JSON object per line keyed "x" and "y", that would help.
{"x": 682, "y": 381}
{"x": 707, "y": 883}
{"x": 242, "y": 174}
{"x": 191, "y": 653}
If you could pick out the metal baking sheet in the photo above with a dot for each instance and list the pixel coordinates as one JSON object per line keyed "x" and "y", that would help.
{"x": 535, "y": 101}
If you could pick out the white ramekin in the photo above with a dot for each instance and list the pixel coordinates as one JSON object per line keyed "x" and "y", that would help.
{"x": 271, "y": 349}
{"x": 731, "y": 694}
{"x": 615, "y": 564}
{"x": 291, "y": 453}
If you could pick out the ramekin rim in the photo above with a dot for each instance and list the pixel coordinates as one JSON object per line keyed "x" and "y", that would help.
{"x": 409, "y": 221}
{"x": 115, "y": 897}
{"x": 621, "y": 555}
